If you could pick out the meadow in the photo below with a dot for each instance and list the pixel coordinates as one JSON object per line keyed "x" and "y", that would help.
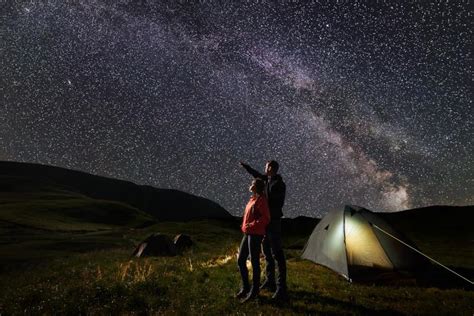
{"x": 90, "y": 271}
{"x": 63, "y": 252}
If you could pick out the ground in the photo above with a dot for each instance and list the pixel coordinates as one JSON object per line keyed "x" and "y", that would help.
{"x": 91, "y": 272}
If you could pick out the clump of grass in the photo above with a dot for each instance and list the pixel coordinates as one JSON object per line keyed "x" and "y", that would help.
{"x": 87, "y": 288}
{"x": 134, "y": 272}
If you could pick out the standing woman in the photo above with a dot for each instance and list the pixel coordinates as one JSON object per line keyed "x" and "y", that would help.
{"x": 254, "y": 222}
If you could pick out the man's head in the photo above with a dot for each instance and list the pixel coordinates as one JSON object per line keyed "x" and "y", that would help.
{"x": 271, "y": 168}
{"x": 257, "y": 186}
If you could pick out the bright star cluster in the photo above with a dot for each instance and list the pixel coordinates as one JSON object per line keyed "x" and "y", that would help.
{"x": 361, "y": 102}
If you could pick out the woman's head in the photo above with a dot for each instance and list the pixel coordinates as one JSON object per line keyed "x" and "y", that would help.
{"x": 257, "y": 186}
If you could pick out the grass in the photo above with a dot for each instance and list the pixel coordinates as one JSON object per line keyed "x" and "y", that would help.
{"x": 67, "y": 211}
{"x": 64, "y": 253}
{"x": 91, "y": 272}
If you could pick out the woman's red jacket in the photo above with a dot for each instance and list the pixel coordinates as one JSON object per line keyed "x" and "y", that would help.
{"x": 256, "y": 216}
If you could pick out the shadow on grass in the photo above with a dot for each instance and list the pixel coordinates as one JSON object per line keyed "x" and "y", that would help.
{"x": 313, "y": 303}
{"x": 439, "y": 277}
{"x": 430, "y": 276}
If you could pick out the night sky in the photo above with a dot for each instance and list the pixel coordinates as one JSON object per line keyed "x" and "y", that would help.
{"x": 360, "y": 104}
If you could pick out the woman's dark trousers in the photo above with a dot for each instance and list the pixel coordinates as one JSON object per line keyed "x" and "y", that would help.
{"x": 250, "y": 245}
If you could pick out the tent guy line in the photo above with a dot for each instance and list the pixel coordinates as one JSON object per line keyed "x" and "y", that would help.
{"x": 426, "y": 256}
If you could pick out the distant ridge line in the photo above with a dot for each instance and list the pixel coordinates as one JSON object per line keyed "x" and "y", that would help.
{"x": 163, "y": 204}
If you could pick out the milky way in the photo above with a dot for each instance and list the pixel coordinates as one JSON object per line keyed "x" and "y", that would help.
{"x": 360, "y": 104}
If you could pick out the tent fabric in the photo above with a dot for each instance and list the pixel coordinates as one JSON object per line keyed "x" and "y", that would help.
{"x": 182, "y": 242}
{"x": 346, "y": 241}
{"x": 362, "y": 246}
{"x": 155, "y": 245}
{"x": 324, "y": 245}
{"x": 402, "y": 257}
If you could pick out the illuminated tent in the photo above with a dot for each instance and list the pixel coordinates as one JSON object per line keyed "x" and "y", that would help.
{"x": 356, "y": 243}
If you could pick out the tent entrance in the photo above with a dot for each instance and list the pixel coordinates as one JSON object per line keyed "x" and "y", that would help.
{"x": 362, "y": 245}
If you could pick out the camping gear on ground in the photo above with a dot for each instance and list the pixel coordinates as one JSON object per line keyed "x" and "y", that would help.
{"x": 359, "y": 244}
{"x": 161, "y": 245}
{"x": 182, "y": 242}
{"x": 155, "y": 245}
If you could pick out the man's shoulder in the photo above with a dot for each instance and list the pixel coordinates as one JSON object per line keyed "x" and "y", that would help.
{"x": 279, "y": 179}
{"x": 278, "y": 183}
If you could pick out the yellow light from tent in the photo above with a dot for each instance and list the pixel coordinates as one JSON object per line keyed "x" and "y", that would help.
{"x": 217, "y": 262}
{"x": 334, "y": 240}
{"x": 362, "y": 246}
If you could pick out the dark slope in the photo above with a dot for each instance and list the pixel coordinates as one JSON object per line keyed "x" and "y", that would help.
{"x": 434, "y": 218}
{"x": 163, "y": 204}
{"x": 431, "y": 219}
{"x": 442, "y": 232}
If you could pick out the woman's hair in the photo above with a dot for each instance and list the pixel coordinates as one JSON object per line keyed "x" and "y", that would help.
{"x": 259, "y": 185}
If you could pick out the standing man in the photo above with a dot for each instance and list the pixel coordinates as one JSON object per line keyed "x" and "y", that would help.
{"x": 275, "y": 190}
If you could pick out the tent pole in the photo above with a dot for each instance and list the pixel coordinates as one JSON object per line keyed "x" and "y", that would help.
{"x": 414, "y": 249}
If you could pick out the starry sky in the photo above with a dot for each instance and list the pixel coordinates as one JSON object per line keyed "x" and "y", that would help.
{"x": 361, "y": 102}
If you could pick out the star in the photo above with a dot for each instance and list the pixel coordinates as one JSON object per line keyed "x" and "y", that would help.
{"x": 360, "y": 103}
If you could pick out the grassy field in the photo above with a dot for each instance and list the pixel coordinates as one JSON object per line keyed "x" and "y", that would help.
{"x": 90, "y": 271}
{"x": 65, "y": 253}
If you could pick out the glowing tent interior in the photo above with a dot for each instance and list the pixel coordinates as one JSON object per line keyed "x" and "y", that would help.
{"x": 356, "y": 243}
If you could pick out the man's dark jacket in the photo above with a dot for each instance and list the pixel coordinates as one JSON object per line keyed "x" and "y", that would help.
{"x": 275, "y": 190}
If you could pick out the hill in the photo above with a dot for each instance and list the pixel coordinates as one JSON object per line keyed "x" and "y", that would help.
{"x": 44, "y": 206}
{"x": 446, "y": 231}
{"x": 163, "y": 204}
{"x": 437, "y": 216}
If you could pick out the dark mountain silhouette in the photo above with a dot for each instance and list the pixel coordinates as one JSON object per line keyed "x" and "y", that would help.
{"x": 301, "y": 225}
{"x": 162, "y": 204}
{"x": 424, "y": 219}
{"x": 436, "y": 222}
{"x": 434, "y": 218}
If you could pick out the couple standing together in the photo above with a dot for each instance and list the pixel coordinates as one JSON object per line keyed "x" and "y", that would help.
{"x": 261, "y": 225}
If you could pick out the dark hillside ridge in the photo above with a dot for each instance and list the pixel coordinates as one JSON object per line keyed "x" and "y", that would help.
{"x": 163, "y": 204}
{"x": 301, "y": 225}
{"x": 452, "y": 218}
{"x": 425, "y": 219}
